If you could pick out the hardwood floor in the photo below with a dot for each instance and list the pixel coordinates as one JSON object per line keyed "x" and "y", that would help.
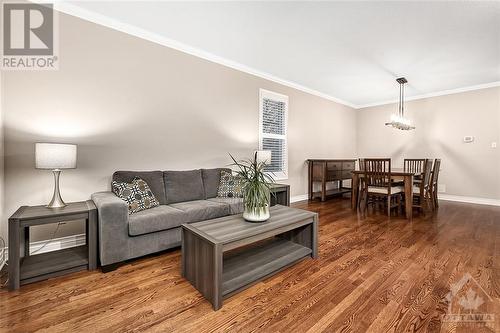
{"x": 374, "y": 274}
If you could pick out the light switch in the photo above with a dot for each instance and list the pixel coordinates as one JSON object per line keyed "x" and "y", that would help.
{"x": 493, "y": 145}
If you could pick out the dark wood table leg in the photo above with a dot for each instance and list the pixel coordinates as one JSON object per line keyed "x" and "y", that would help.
{"x": 314, "y": 238}
{"x": 14, "y": 254}
{"x": 408, "y": 181}
{"x": 354, "y": 191}
{"x": 323, "y": 183}
{"x": 288, "y": 196}
{"x": 310, "y": 184}
{"x": 92, "y": 239}
{"x": 202, "y": 266}
{"x": 26, "y": 231}
{"x": 217, "y": 276}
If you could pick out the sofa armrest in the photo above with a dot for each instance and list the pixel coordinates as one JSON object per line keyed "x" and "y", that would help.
{"x": 113, "y": 227}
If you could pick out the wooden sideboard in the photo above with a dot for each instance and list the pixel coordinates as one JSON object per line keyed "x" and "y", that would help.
{"x": 326, "y": 170}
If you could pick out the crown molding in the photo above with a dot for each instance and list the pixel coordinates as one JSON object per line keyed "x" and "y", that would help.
{"x": 74, "y": 10}
{"x": 77, "y": 11}
{"x": 435, "y": 94}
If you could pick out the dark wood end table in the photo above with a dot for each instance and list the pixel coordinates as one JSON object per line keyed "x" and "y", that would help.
{"x": 32, "y": 268}
{"x": 280, "y": 194}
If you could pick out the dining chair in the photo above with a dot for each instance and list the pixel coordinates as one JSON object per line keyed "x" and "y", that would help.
{"x": 376, "y": 184}
{"x": 415, "y": 165}
{"x": 434, "y": 183}
{"x": 361, "y": 166}
{"x": 361, "y": 162}
{"x": 421, "y": 190}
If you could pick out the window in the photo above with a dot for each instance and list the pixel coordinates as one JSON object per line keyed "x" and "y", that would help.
{"x": 273, "y": 121}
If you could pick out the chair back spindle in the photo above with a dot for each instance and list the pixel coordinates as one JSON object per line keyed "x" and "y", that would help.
{"x": 434, "y": 182}
{"x": 435, "y": 171}
{"x": 426, "y": 177}
{"x": 415, "y": 165}
{"x": 361, "y": 162}
{"x": 378, "y": 171}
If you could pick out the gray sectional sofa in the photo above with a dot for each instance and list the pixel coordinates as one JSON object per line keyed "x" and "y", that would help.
{"x": 184, "y": 197}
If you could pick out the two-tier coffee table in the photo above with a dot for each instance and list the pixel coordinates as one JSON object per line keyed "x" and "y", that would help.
{"x": 223, "y": 256}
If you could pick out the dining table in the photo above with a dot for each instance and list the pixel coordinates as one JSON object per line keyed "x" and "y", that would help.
{"x": 396, "y": 174}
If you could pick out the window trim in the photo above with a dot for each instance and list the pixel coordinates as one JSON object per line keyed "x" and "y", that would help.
{"x": 283, "y": 175}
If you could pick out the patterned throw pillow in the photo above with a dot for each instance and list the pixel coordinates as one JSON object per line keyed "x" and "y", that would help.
{"x": 230, "y": 186}
{"x": 137, "y": 195}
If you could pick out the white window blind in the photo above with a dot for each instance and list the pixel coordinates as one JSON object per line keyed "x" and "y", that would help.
{"x": 273, "y": 131}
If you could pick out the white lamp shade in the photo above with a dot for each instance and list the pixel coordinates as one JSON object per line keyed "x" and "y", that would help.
{"x": 55, "y": 156}
{"x": 264, "y": 156}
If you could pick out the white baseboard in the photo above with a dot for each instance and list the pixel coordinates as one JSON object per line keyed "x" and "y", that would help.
{"x": 442, "y": 196}
{"x": 301, "y": 197}
{"x": 54, "y": 244}
{"x": 473, "y": 200}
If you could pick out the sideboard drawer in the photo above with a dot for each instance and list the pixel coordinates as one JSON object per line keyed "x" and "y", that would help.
{"x": 334, "y": 166}
{"x": 348, "y": 165}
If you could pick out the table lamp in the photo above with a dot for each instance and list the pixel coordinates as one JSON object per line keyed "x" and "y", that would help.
{"x": 55, "y": 156}
{"x": 263, "y": 156}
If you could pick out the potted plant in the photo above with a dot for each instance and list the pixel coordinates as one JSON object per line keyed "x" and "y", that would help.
{"x": 256, "y": 188}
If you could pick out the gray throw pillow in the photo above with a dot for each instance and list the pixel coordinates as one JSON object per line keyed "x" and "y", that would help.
{"x": 137, "y": 195}
{"x": 230, "y": 186}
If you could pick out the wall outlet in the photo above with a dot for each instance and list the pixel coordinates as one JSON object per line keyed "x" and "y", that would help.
{"x": 493, "y": 145}
{"x": 441, "y": 188}
{"x": 468, "y": 139}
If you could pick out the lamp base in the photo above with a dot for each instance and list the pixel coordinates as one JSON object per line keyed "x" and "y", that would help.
{"x": 57, "y": 201}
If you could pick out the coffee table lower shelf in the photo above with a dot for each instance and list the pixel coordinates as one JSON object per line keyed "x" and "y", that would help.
{"x": 243, "y": 269}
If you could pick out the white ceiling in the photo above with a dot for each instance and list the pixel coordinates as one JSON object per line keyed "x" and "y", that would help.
{"x": 352, "y": 51}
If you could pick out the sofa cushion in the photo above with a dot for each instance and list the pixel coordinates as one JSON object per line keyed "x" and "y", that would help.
{"x": 155, "y": 219}
{"x": 200, "y": 210}
{"x": 235, "y": 204}
{"x": 230, "y": 186}
{"x": 183, "y": 186}
{"x": 211, "y": 180}
{"x": 153, "y": 178}
{"x": 136, "y": 194}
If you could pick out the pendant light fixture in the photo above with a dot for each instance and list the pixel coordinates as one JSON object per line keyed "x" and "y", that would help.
{"x": 398, "y": 120}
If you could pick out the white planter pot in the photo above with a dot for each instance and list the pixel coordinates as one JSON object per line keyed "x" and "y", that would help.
{"x": 260, "y": 214}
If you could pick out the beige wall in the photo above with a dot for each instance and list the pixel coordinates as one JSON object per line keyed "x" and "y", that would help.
{"x": 467, "y": 169}
{"x": 133, "y": 104}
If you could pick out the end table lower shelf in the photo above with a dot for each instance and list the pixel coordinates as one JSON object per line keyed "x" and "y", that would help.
{"x": 46, "y": 265}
